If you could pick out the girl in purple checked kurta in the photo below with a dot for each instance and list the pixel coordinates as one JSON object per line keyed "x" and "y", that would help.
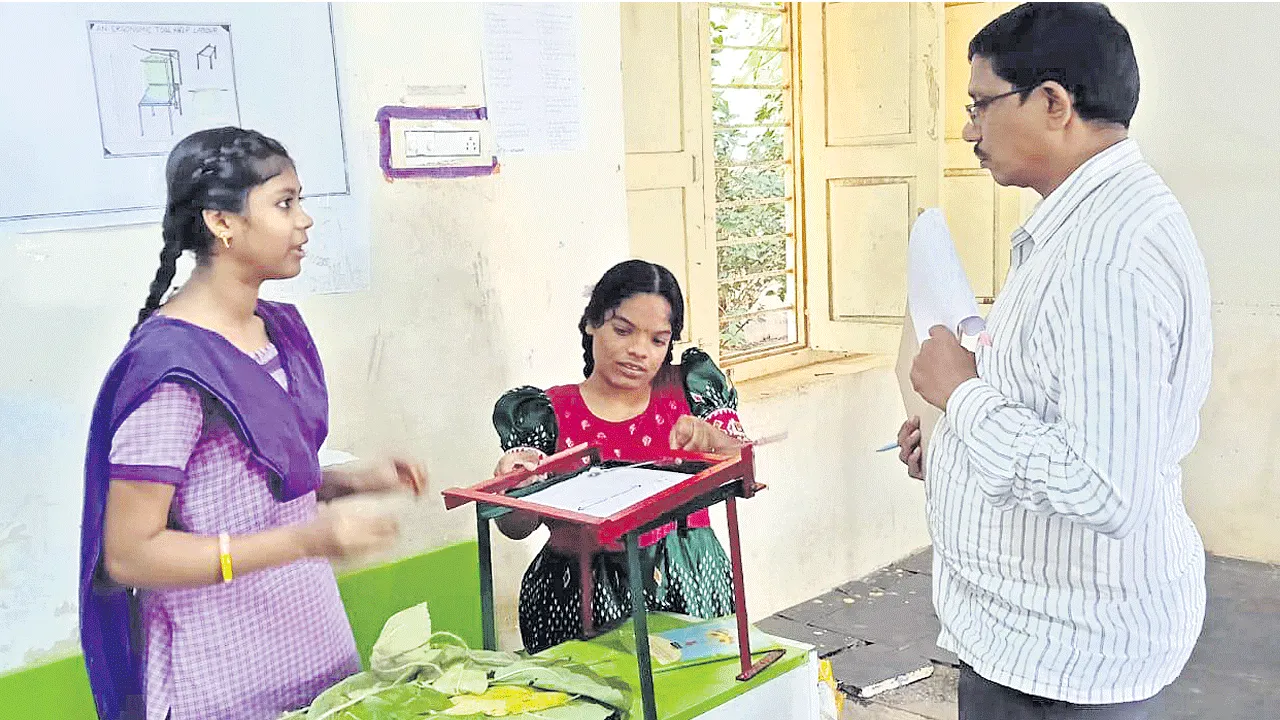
{"x": 206, "y": 589}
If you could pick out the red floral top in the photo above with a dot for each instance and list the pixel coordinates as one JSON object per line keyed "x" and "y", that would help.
{"x": 559, "y": 419}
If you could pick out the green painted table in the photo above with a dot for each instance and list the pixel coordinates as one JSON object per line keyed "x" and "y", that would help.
{"x": 706, "y": 691}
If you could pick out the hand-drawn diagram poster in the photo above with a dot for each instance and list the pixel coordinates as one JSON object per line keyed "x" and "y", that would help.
{"x": 158, "y": 82}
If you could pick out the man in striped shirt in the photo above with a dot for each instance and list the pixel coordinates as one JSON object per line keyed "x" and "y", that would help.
{"x": 1067, "y": 575}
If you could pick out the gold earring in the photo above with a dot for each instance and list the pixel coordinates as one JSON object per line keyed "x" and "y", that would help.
{"x": 226, "y": 241}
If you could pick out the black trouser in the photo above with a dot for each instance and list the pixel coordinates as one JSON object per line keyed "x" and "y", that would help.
{"x": 981, "y": 699}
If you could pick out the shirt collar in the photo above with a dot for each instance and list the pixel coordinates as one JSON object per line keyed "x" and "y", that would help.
{"x": 1052, "y": 211}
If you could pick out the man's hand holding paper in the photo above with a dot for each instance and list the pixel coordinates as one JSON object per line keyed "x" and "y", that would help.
{"x": 941, "y": 366}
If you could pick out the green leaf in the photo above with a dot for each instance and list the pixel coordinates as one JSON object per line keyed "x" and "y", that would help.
{"x": 427, "y": 662}
{"x": 403, "y": 632}
{"x": 446, "y": 639}
{"x": 413, "y": 699}
{"x": 492, "y": 658}
{"x": 407, "y": 701}
{"x": 565, "y": 678}
{"x": 430, "y": 662}
{"x": 341, "y": 695}
{"x": 462, "y": 678}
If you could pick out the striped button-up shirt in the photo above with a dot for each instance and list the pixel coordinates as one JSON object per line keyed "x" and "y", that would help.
{"x": 1065, "y": 563}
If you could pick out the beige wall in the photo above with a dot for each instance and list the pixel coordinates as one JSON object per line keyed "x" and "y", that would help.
{"x": 835, "y": 509}
{"x": 1206, "y": 121}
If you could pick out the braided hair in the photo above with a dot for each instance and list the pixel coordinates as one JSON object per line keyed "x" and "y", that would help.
{"x": 208, "y": 170}
{"x": 632, "y": 277}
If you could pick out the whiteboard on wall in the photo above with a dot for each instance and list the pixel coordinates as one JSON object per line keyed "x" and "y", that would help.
{"x": 96, "y": 94}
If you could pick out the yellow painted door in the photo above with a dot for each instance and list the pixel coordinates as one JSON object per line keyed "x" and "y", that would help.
{"x": 665, "y": 73}
{"x": 871, "y": 89}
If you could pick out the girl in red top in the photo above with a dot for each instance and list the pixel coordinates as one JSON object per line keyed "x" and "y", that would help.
{"x": 635, "y": 405}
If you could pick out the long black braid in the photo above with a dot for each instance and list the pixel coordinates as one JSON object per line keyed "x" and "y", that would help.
{"x": 208, "y": 170}
{"x": 628, "y": 278}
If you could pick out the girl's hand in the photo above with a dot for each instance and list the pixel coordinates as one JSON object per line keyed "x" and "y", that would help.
{"x": 342, "y": 531}
{"x": 523, "y": 459}
{"x": 692, "y": 434}
{"x": 387, "y": 473}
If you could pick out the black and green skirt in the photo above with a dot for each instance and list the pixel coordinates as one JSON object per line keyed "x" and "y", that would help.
{"x": 685, "y": 572}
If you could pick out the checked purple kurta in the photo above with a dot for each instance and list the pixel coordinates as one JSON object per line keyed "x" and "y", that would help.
{"x": 218, "y": 651}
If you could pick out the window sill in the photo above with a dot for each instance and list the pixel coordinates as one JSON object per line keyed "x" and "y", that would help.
{"x": 821, "y": 369}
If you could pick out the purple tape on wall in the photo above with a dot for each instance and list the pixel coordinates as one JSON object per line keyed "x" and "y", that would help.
{"x": 387, "y": 114}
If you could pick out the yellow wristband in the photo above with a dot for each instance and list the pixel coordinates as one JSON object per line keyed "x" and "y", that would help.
{"x": 224, "y": 557}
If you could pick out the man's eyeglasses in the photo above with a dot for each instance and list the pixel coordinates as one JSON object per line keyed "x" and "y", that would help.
{"x": 977, "y": 106}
